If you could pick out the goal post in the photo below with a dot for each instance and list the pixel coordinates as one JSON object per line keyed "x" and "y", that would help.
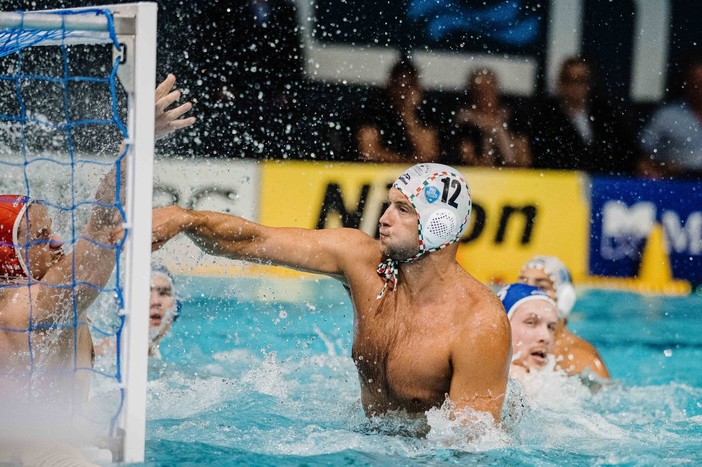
{"x": 141, "y": 69}
{"x": 131, "y": 28}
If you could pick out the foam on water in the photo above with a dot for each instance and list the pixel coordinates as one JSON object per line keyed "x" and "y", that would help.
{"x": 272, "y": 383}
{"x": 283, "y": 408}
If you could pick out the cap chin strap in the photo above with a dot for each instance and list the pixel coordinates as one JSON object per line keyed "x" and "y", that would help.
{"x": 25, "y": 272}
{"x": 390, "y": 270}
{"x": 566, "y": 298}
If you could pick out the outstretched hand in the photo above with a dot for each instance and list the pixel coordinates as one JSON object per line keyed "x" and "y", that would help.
{"x": 168, "y": 120}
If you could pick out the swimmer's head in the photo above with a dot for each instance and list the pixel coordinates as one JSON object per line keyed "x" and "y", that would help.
{"x": 533, "y": 318}
{"x": 164, "y": 303}
{"x": 551, "y": 275}
{"x": 12, "y": 211}
{"x": 441, "y": 198}
{"x": 28, "y": 245}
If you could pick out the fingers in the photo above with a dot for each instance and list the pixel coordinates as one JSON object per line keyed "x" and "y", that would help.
{"x": 169, "y": 120}
{"x": 166, "y": 126}
{"x": 167, "y": 100}
{"x": 176, "y": 125}
{"x": 176, "y": 113}
{"x": 165, "y": 86}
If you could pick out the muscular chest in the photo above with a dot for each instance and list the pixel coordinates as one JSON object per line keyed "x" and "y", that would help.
{"x": 403, "y": 363}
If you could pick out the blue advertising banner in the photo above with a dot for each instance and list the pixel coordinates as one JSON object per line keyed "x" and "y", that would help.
{"x": 515, "y": 27}
{"x": 623, "y": 213}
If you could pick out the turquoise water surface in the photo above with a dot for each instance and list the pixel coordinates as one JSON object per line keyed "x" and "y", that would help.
{"x": 258, "y": 371}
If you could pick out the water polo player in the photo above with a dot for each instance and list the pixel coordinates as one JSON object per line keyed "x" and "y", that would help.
{"x": 533, "y": 317}
{"x": 424, "y": 328}
{"x": 573, "y": 354}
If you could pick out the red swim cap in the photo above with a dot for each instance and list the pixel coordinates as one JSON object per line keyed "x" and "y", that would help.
{"x": 12, "y": 209}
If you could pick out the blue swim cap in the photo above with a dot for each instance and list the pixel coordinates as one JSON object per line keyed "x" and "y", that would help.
{"x": 514, "y": 295}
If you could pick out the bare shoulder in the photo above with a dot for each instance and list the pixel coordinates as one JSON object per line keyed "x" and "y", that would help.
{"x": 481, "y": 307}
{"x": 343, "y": 237}
{"x": 361, "y": 257}
{"x": 580, "y": 355}
{"x": 582, "y": 347}
{"x": 576, "y": 344}
{"x": 358, "y": 246}
{"x": 481, "y": 298}
{"x": 481, "y": 345}
{"x": 14, "y": 303}
{"x": 356, "y": 236}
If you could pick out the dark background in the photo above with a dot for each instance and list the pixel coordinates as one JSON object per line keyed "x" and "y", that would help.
{"x": 287, "y": 115}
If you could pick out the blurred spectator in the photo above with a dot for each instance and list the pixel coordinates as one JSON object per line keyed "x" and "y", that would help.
{"x": 393, "y": 128}
{"x": 251, "y": 65}
{"x": 672, "y": 141}
{"x": 482, "y": 134}
{"x": 579, "y": 130}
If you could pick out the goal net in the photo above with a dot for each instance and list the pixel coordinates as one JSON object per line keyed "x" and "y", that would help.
{"x": 76, "y": 156}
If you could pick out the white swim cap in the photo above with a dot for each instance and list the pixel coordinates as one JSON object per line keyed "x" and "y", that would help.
{"x": 441, "y": 197}
{"x": 562, "y": 282}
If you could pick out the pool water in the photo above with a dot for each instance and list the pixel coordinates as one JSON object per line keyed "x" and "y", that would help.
{"x": 258, "y": 371}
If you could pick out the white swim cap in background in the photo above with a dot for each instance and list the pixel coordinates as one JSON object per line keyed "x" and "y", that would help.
{"x": 562, "y": 282}
{"x": 441, "y": 197}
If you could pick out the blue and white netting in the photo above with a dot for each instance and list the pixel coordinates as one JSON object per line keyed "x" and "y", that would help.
{"x": 61, "y": 124}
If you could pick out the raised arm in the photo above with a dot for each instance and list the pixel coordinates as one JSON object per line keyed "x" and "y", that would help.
{"x": 424, "y": 140}
{"x": 481, "y": 361}
{"x": 94, "y": 259}
{"x": 328, "y": 251}
{"x": 371, "y": 149}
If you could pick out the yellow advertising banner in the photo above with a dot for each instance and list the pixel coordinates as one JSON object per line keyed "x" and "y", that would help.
{"x": 521, "y": 213}
{"x": 516, "y": 213}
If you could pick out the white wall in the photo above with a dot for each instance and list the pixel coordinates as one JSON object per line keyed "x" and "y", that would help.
{"x": 216, "y": 185}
